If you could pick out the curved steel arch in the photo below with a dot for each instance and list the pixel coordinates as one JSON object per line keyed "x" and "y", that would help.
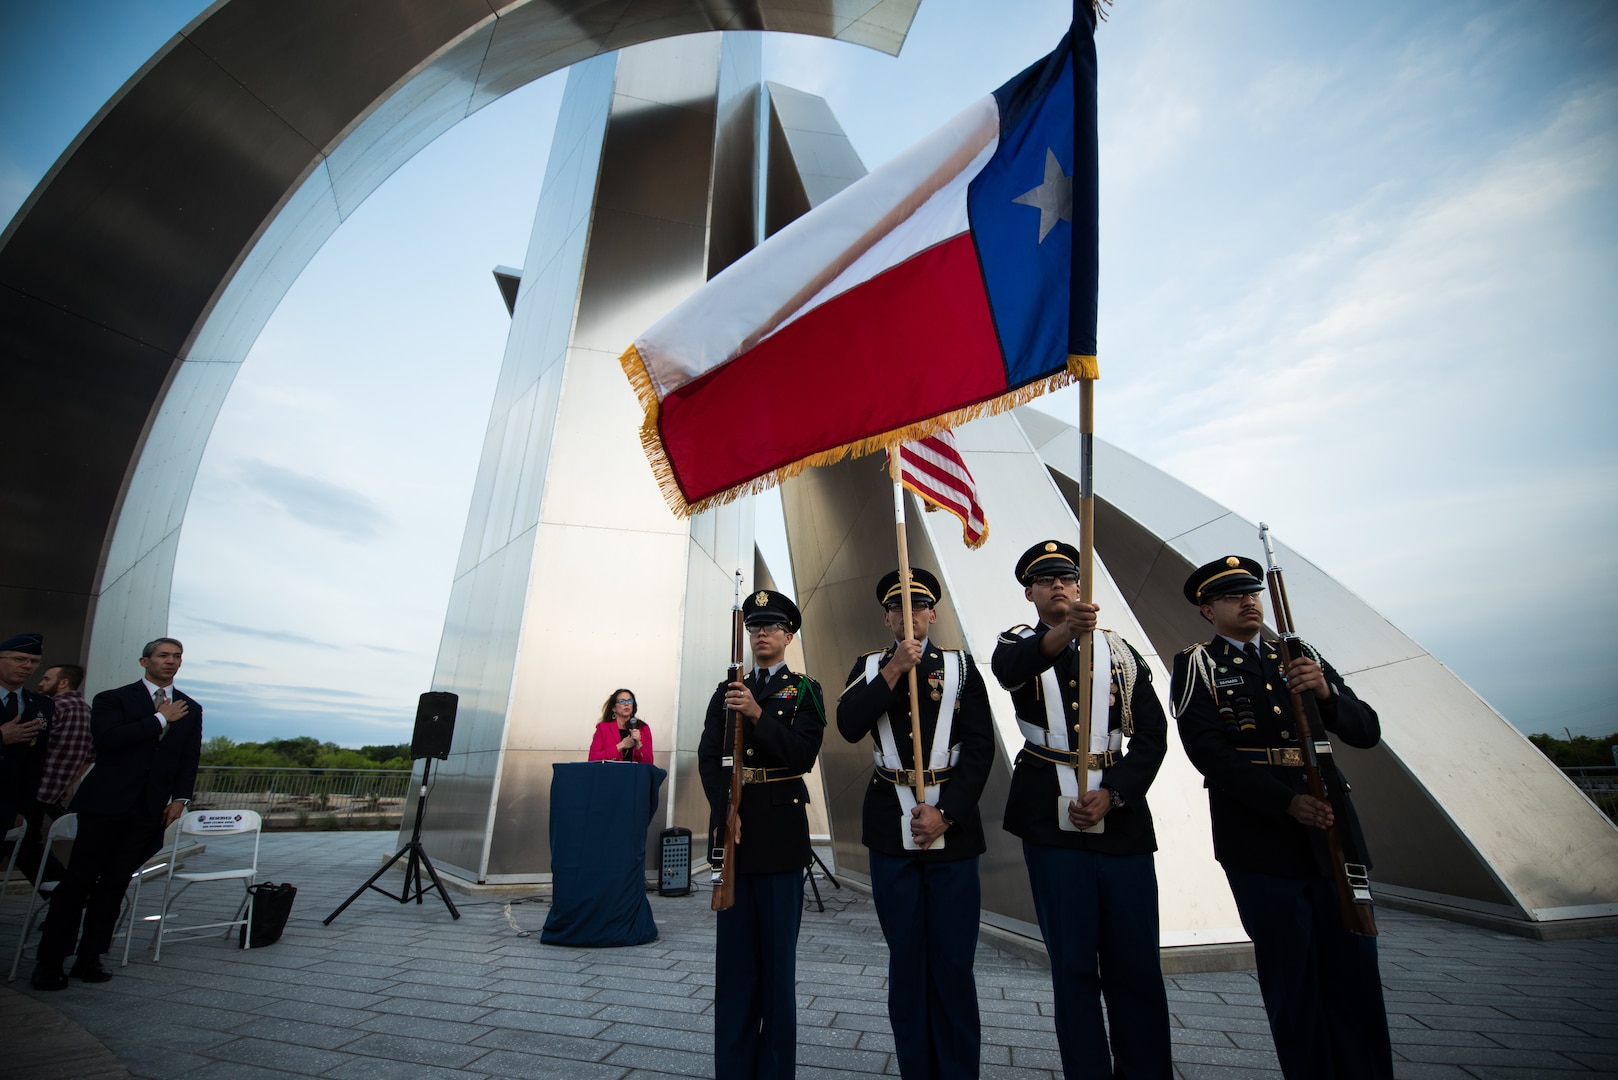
{"x": 137, "y": 275}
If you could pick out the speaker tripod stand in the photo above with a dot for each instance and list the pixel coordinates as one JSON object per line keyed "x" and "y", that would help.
{"x": 413, "y": 889}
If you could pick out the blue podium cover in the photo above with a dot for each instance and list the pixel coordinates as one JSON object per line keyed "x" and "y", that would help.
{"x": 600, "y": 811}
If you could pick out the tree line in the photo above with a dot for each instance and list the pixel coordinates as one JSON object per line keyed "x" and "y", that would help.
{"x": 1580, "y": 750}
{"x": 303, "y": 752}
{"x": 306, "y": 752}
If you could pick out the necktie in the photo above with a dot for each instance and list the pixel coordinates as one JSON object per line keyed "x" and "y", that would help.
{"x": 12, "y": 701}
{"x": 1251, "y": 649}
{"x": 160, "y": 698}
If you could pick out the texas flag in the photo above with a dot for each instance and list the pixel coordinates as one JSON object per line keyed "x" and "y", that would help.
{"x": 938, "y": 288}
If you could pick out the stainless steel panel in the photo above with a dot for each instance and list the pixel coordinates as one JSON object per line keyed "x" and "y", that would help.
{"x": 124, "y": 626}
{"x": 678, "y": 71}
{"x": 596, "y": 448}
{"x": 569, "y": 485}
{"x": 180, "y": 215}
{"x": 306, "y": 218}
{"x": 733, "y": 221}
{"x": 535, "y": 464}
{"x": 54, "y": 545}
{"x": 127, "y": 232}
{"x": 350, "y": 55}
{"x": 673, "y": 256}
{"x": 429, "y": 104}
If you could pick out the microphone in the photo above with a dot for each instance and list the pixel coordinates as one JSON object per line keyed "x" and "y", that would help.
{"x": 629, "y": 754}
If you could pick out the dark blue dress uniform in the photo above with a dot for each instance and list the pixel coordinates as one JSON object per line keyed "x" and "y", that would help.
{"x": 1322, "y": 990}
{"x": 929, "y": 902}
{"x": 1095, "y": 893}
{"x": 756, "y": 940}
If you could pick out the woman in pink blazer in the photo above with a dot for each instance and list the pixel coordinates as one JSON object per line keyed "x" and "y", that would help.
{"x": 621, "y": 735}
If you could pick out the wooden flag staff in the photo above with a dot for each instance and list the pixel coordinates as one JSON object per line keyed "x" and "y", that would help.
{"x": 1086, "y": 557}
{"x": 895, "y": 471}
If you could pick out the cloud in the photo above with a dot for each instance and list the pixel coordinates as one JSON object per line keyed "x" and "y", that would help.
{"x": 316, "y": 502}
{"x": 284, "y": 637}
{"x": 259, "y": 711}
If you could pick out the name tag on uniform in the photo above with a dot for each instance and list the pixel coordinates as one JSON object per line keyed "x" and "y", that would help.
{"x": 909, "y": 841}
{"x": 1065, "y": 823}
{"x": 1233, "y": 680}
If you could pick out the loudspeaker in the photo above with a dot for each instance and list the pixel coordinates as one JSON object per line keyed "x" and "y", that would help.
{"x": 674, "y": 868}
{"x": 435, "y": 725}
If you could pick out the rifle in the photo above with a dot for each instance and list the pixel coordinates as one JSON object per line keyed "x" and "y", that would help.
{"x": 724, "y": 890}
{"x": 1353, "y": 886}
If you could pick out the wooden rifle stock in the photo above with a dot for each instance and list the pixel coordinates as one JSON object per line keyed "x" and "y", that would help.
{"x": 1353, "y": 887}
{"x": 724, "y": 894}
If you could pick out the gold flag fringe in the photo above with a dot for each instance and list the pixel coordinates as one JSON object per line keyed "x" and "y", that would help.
{"x": 651, "y": 440}
{"x": 640, "y": 380}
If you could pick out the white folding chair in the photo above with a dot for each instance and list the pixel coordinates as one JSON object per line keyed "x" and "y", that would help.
{"x": 14, "y": 836}
{"x": 65, "y": 827}
{"x": 213, "y": 824}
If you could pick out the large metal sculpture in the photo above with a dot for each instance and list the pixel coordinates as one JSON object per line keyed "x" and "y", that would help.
{"x": 138, "y": 274}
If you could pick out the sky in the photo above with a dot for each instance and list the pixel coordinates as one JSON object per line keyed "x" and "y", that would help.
{"x": 1358, "y": 276}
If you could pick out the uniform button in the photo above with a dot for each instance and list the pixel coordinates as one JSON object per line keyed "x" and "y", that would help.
{"x": 1277, "y": 712}
{"x": 794, "y": 802}
{"x": 1230, "y": 693}
{"x": 1075, "y": 705}
{"x": 1286, "y": 735}
{"x": 750, "y": 749}
{"x": 1075, "y": 727}
{"x": 1073, "y": 682}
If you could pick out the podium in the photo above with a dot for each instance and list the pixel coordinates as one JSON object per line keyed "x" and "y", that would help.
{"x": 600, "y": 811}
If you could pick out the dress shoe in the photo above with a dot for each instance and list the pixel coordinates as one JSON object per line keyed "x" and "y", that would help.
{"x": 89, "y": 969}
{"x": 48, "y": 976}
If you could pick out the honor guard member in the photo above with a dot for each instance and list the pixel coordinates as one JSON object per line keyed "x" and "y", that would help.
{"x": 924, "y": 856}
{"x": 756, "y": 941}
{"x": 25, "y": 731}
{"x": 1086, "y": 829}
{"x": 1320, "y": 982}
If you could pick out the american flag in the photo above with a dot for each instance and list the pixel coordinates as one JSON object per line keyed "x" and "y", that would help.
{"x": 932, "y": 468}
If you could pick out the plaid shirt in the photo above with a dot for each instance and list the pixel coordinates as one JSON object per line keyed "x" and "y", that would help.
{"x": 70, "y": 748}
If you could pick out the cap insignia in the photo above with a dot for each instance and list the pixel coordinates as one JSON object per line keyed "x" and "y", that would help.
{"x": 1231, "y": 560}
{"x": 1050, "y": 545}
{"x": 761, "y": 599}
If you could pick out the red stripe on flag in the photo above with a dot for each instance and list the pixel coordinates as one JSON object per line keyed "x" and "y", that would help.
{"x": 786, "y": 398}
{"x": 934, "y": 469}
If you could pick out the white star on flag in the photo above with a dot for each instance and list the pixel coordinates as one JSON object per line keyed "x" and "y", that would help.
{"x": 1054, "y": 196}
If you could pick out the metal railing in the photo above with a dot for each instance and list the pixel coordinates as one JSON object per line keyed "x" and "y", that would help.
{"x": 306, "y": 798}
{"x": 1600, "y": 782}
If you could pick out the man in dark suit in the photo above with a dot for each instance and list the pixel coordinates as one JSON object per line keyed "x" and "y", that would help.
{"x": 1085, "y": 826}
{"x": 25, "y": 728}
{"x": 756, "y": 940}
{"x": 148, "y": 740}
{"x": 1233, "y": 700}
{"x": 924, "y": 855}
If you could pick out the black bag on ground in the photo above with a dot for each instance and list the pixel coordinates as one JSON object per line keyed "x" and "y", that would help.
{"x": 272, "y": 906}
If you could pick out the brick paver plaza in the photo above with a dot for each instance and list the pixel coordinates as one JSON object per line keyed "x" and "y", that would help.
{"x": 401, "y": 991}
